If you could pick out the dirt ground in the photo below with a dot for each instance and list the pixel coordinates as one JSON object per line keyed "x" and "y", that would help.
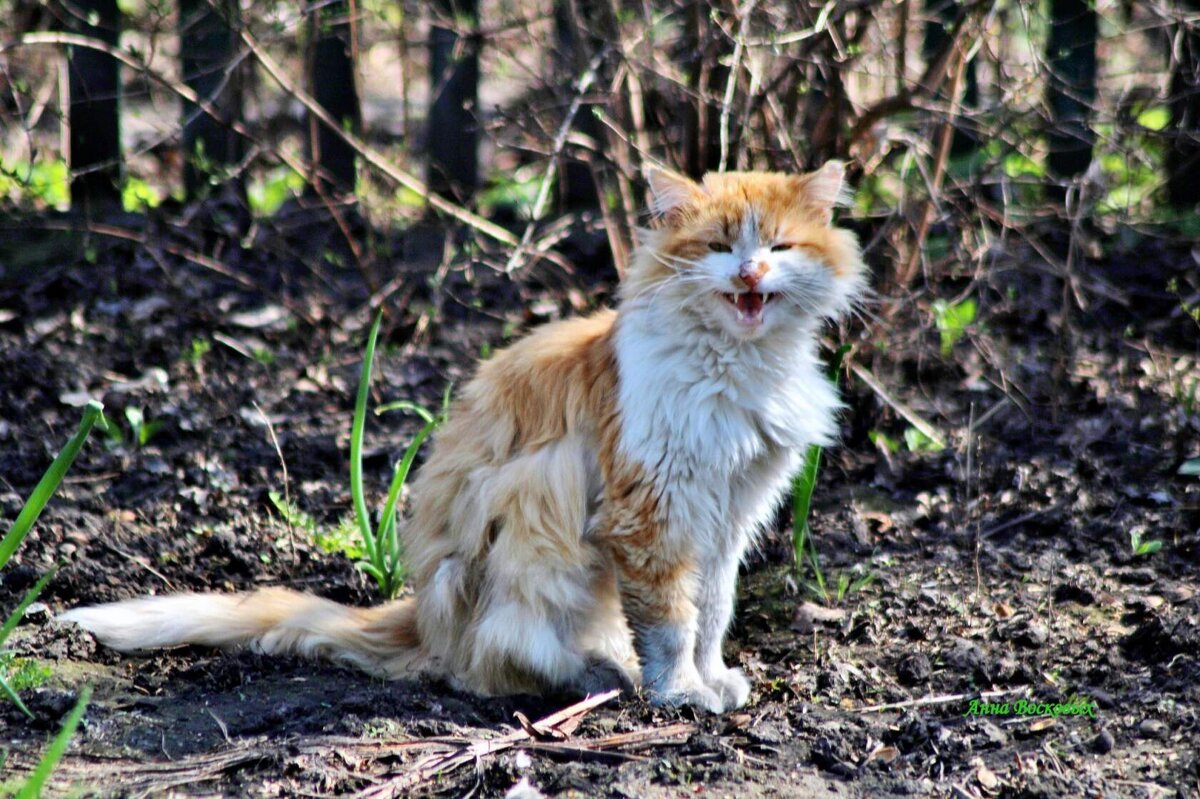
{"x": 1001, "y": 566}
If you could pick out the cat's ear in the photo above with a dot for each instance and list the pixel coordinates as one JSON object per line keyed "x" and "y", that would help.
{"x": 670, "y": 193}
{"x": 825, "y": 188}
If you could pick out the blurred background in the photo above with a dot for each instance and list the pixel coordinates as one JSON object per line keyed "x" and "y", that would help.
{"x": 966, "y": 123}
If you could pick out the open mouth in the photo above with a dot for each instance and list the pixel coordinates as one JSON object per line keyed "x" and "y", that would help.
{"x": 748, "y": 305}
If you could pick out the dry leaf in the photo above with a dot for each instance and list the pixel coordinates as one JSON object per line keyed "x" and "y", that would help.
{"x": 809, "y": 615}
{"x": 885, "y": 754}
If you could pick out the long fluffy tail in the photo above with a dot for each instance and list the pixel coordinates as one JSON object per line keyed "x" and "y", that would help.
{"x": 382, "y": 640}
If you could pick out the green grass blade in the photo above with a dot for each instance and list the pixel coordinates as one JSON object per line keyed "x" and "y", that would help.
{"x": 805, "y": 483}
{"x": 32, "y": 788}
{"x": 14, "y": 618}
{"x": 802, "y": 490}
{"x": 49, "y": 483}
{"x": 400, "y": 475}
{"x": 405, "y": 405}
{"x": 388, "y": 541}
{"x": 356, "y": 439}
{"x": 12, "y": 695}
{"x": 374, "y": 571}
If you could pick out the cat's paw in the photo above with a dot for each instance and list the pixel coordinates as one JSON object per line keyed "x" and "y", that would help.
{"x": 732, "y": 686}
{"x": 697, "y": 696}
{"x": 602, "y": 675}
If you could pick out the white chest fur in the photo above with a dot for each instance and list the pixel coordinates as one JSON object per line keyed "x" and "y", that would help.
{"x": 720, "y": 424}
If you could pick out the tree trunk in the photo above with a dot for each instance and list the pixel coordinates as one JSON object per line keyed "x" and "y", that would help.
{"x": 452, "y": 136}
{"x": 1183, "y": 154}
{"x": 93, "y": 118}
{"x": 1070, "y": 88}
{"x": 334, "y": 87}
{"x": 940, "y": 15}
{"x": 207, "y": 37}
{"x": 707, "y": 49}
{"x": 576, "y": 43}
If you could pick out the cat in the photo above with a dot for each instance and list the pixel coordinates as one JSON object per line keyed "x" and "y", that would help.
{"x": 580, "y": 521}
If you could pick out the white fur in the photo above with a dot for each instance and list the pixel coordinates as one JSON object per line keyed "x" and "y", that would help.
{"x": 311, "y": 627}
{"x": 720, "y": 417}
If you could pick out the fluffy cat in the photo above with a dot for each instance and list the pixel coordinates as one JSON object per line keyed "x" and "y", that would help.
{"x": 580, "y": 521}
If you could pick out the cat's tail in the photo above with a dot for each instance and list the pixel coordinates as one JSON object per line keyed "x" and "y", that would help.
{"x": 382, "y": 640}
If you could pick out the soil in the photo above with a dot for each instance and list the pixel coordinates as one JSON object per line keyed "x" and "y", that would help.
{"x": 1001, "y": 567}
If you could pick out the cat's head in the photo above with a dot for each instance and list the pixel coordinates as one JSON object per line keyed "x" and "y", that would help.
{"x": 747, "y": 253}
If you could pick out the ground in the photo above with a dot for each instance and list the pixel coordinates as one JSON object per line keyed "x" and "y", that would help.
{"x": 1001, "y": 566}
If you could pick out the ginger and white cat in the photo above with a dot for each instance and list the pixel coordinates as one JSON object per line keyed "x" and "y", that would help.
{"x": 581, "y": 518}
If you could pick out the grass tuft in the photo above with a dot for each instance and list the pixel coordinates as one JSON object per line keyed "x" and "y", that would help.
{"x": 33, "y": 786}
{"x": 383, "y": 553}
{"x": 804, "y": 549}
{"x": 42, "y": 492}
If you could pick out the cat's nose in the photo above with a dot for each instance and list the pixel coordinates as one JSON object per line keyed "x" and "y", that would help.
{"x": 751, "y": 273}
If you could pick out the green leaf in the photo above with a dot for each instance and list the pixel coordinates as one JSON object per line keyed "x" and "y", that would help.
{"x": 884, "y": 441}
{"x": 404, "y": 405}
{"x": 14, "y": 618}
{"x": 49, "y": 483}
{"x": 12, "y": 695}
{"x": 952, "y": 321}
{"x": 916, "y": 441}
{"x": 1155, "y": 118}
{"x": 805, "y": 482}
{"x": 32, "y": 789}
{"x": 356, "y": 439}
{"x": 1149, "y": 547}
{"x": 1191, "y": 467}
{"x": 137, "y": 196}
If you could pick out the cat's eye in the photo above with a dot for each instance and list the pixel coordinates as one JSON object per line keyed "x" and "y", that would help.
{"x": 719, "y": 246}
{"x": 782, "y": 246}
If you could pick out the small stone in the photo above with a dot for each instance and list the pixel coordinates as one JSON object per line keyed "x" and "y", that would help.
{"x": 994, "y": 735}
{"x": 1103, "y": 743}
{"x": 1152, "y": 728}
{"x": 1032, "y": 636}
{"x": 37, "y": 613}
{"x": 914, "y": 670}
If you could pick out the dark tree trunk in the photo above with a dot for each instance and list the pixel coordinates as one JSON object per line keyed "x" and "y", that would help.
{"x": 207, "y": 38}
{"x": 1071, "y": 87}
{"x": 1183, "y": 154}
{"x": 334, "y": 87}
{"x": 95, "y": 109}
{"x": 707, "y": 48}
{"x": 940, "y": 16}
{"x": 825, "y": 112}
{"x": 452, "y": 135}
{"x": 576, "y": 45}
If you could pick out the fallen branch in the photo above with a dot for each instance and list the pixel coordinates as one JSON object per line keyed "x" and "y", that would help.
{"x": 942, "y": 699}
{"x": 141, "y": 779}
{"x": 556, "y": 726}
{"x": 911, "y": 416}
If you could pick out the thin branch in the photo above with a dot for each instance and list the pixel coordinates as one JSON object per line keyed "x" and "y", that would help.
{"x": 560, "y": 142}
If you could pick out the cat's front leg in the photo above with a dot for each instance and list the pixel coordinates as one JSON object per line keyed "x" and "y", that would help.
{"x": 657, "y": 599}
{"x": 714, "y": 604}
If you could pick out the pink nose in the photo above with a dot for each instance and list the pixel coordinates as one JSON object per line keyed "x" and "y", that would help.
{"x": 751, "y": 274}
